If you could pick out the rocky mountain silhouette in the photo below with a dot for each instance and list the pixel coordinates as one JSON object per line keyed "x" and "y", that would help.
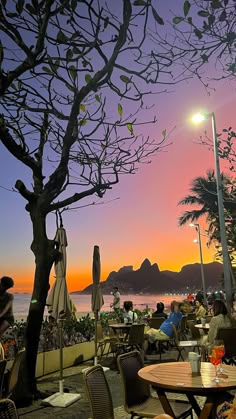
{"x": 148, "y": 279}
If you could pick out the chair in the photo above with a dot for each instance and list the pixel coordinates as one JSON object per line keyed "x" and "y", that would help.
{"x": 228, "y": 335}
{"x": 191, "y": 316}
{"x": 14, "y": 372}
{"x": 136, "y": 392}
{"x": 135, "y": 339}
{"x": 155, "y": 322}
{"x": 181, "y": 345}
{"x": 8, "y": 409}
{"x": 103, "y": 341}
{"x": 3, "y": 364}
{"x": 98, "y": 393}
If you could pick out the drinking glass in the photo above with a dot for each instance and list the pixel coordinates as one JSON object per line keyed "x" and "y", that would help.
{"x": 221, "y": 351}
{"x": 214, "y": 358}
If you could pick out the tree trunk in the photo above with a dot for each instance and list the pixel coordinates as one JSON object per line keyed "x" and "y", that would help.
{"x": 43, "y": 249}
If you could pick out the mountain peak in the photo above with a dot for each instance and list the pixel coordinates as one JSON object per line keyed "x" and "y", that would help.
{"x": 145, "y": 264}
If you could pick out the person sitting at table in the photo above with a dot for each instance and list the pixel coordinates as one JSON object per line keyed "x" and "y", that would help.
{"x": 220, "y": 318}
{"x": 166, "y": 332}
{"x": 129, "y": 315}
{"x": 160, "y": 311}
{"x": 200, "y": 310}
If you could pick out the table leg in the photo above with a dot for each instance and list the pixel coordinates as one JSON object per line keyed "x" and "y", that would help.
{"x": 165, "y": 402}
{"x": 207, "y": 409}
{"x": 194, "y": 403}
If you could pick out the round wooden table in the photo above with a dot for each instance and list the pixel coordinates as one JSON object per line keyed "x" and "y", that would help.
{"x": 176, "y": 377}
{"x": 202, "y": 326}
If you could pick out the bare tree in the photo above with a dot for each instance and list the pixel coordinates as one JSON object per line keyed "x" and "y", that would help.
{"x": 68, "y": 71}
{"x": 203, "y": 38}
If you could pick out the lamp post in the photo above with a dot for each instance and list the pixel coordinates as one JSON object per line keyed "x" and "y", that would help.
{"x": 197, "y": 227}
{"x": 226, "y": 268}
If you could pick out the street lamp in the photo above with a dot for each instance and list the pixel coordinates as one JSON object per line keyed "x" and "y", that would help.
{"x": 227, "y": 276}
{"x": 197, "y": 227}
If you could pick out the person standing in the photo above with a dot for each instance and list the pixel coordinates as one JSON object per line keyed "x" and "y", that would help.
{"x": 6, "y": 303}
{"x": 116, "y": 299}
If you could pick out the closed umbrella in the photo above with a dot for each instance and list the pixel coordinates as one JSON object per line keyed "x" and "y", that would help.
{"x": 97, "y": 298}
{"x": 59, "y": 308}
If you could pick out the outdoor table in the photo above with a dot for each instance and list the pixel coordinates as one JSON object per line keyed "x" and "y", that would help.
{"x": 176, "y": 377}
{"x": 204, "y": 327}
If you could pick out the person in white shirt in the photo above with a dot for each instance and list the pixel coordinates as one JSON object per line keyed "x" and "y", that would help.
{"x": 129, "y": 315}
{"x": 116, "y": 299}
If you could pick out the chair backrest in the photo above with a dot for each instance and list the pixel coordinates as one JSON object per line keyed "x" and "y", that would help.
{"x": 135, "y": 390}
{"x": 136, "y": 334}
{"x": 98, "y": 392}
{"x": 14, "y": 372}
{"x": 191, "y": 316}
{"x": 3, "y": 364}
{"x": 228, "y": 335}
{"x": 8, "y": 409}
{"x": 194, "y": 332}
{"x": 155, "y": 322}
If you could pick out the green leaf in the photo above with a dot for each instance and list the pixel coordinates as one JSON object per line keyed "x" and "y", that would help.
{"x": 203, "y": 13}
{"x": 47, "y": 70}
{"x": 82, "y": 122}
{"x": 177, "y": 19}
{"x": 216, "y": 4}
{"x": 61, "y": 37}
{"x": 73, "y": 72}
{"x": 187, "y": 7}
{"x": 125, "y": 79}
{"x": 204, "y": 58}
{"x": 140, "y": 3}
{"x": 164, "y": 133}
{"x": 211, "y": 20}
{"x": 120, "y": 109}
{"x": 130, "y": 127}
{"x": 223, "y": 16}
{"x": 69, "y": 54}
{"x": 198, "y": 33}
{"x": 20, "y": 6}
{"x": 82, "y": 107}
{"x": 156, "y": 16}
{"x": 98, "y": 98}
{"x": 88, "y": 78}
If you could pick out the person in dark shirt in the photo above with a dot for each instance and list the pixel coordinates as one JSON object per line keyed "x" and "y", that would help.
{"x": 6, "y": 302}
{"x": 159, "y": 311}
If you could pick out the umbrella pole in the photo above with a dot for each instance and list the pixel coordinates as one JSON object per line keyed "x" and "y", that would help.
{"x": 60, "y": 323}
{"x": 96, "y": 339}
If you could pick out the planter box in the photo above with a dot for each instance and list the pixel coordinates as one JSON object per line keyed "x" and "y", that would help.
{"x": 48, "y": 362}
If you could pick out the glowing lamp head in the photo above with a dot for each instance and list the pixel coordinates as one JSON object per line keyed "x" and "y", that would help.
{"x": 198, "y": 117}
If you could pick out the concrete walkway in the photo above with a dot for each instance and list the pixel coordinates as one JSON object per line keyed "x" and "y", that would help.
{"x": 73, "y": 381}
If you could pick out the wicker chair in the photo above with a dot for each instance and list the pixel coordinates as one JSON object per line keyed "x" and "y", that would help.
{"x": 3, "y": 364}
{"x": 136, "y": 392}
{"x": 105, "y": 341}
{"x": 8, "y": 409}
{"x": 14, "y": 372}
{"x": 98, "y": 393}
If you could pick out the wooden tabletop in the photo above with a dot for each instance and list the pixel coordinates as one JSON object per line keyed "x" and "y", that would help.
{"x": 120, "y": 325}
{"x": 177, "y": 377}
{"x": 202, "y": 326}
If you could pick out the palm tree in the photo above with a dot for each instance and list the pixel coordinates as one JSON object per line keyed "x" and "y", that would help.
{"x": 203, "y": 193}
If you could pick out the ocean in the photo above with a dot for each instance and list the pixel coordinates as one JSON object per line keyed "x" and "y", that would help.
{"x": 83, "y": 303}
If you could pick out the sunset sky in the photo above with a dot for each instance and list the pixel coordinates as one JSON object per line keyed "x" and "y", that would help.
{"x": 139, "y": 217}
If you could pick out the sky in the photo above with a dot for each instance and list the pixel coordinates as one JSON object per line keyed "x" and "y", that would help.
{"x": 138, "y": 219}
